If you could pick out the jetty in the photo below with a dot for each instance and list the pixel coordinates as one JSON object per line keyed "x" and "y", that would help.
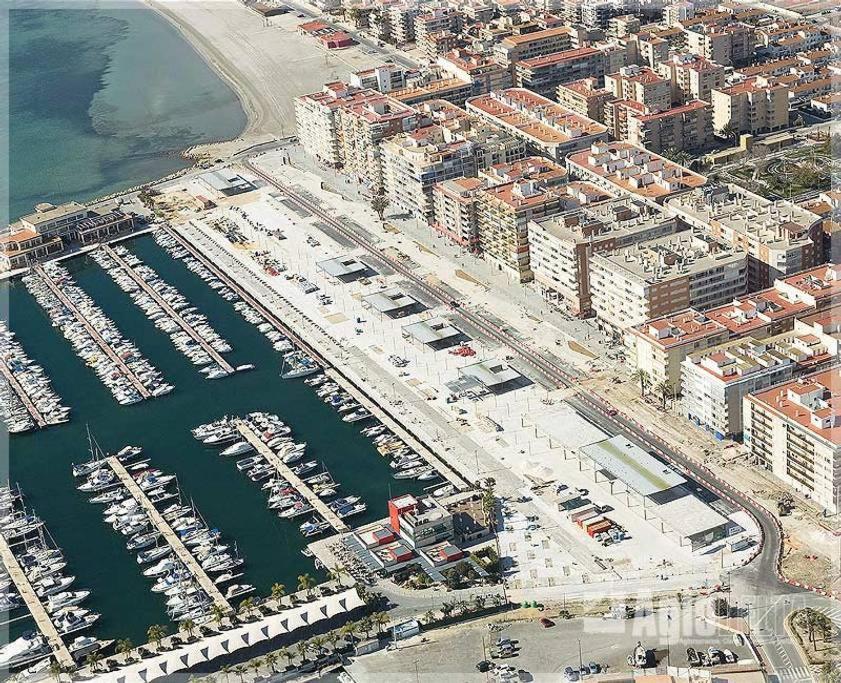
{"x": 169, "y": 535}
{"x": 100, "y": 342}
{"x": 39, "y": 614}
{"x": 286, "y": 473}
{"x": 22, "y": 395}
{"x": 170, "y": 311}
{"x": 248, "y": 298}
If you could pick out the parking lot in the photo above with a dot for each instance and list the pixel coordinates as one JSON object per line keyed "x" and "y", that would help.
{"x": 544, "y": 653}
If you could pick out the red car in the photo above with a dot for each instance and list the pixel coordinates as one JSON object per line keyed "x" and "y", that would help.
{"x": 546, "y": 623}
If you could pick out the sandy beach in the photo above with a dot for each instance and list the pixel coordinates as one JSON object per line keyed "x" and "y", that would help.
{"x": 267, "y": 64}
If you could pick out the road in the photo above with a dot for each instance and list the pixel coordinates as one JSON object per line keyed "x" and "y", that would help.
{"x": 759, "y": 578}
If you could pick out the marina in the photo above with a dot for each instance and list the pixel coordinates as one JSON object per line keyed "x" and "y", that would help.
{"x": 128, "y": 375}
{"x": 210, "y": 345}
{"x": 41, "y": 460}
{"x": 27, "y": 400}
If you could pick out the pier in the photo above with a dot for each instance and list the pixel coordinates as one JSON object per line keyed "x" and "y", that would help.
{"x": 284, "y": 471}
{"x": 39, "y": 614}
{"x": 100, "y": 342}
{"x": 169, "y": 535}
{"x": 170, "y": 311}
{"x": 22, "y": 395}
{"x": 248, "y": 298}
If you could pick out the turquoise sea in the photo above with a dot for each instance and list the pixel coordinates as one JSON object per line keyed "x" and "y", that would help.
{"x": 103, "y": 97}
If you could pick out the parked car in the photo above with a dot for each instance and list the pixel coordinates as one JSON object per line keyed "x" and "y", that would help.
{"x": 546, "y": 623}
{"x": 595, "y": 667}
{"x": 483, "y": 666}
{"x": 570, "y": 674}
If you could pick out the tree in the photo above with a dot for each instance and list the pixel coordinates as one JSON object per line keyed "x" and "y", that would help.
{"x": 721, "y": 608}
{"x": 123, "y": 647}
{"x": 218, "y": 615}
{"x": 317, "y": 644}
{"x": 226, "y": 672}
{"x": 271, "y": 661}
{"x": 239, "y": 670}
{"x": 665, "y": 390}
{"x": 188, "y": 626}
{"x": 246, "y": 607}
{"x": 429, "y": 617}
{"x": 379, "y": 619}
{"x": 333, "y": 638}
{"x": 365, "y": 626}
{"x": 337, "y": 573}
{"x": 287, "y": 655}
{"x": 379, "y": 204}
{"x": 830, "y": 672}
{"x": 278, "y": 591}
{"x": 447, "y": 609}
{"x": 301, "y": 647}
{"x": 349, "y": 630}
{"x": 479, "y": 602}
{"x": 156, "y": 633}
{"x": 729, "y": 131}
{"x": 56, "y": 669}
{"x": 256, "y": 664}
{"x": 93, "y": 660}
{"x": 643, "y": 378}
{"x": 306, "y": 583}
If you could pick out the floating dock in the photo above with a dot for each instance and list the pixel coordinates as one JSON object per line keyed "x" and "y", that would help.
{"x": 284, "y": 471}
{"x": 170, "y": 311}
{"x": 39, "y": 614}
{"x": 169, "y": 535}
{"x": 22, "y": 395}
{"x": 105, "y": 346}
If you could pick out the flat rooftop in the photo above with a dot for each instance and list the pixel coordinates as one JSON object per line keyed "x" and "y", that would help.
{"x": 344, "y": 267}
{"x": 491, "y": 373}
{"x": 635, "y": 467}
{"x": 432, "y": 331}
{"x": 390, "y": 300}
{"x": 690, "y": 516}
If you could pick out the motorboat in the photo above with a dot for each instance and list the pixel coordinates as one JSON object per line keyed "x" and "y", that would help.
{"x": 74, "y": 619}
{"x": 247, "y": 463}
{"x": 236, "y": 590}
{"x": 51, "y": 585}
{"x": 165, "y": 565}
{"x": 412, "y": 472}
{"x": 66, "y": 599}
{"x": 22, "y": 650}
{"x": 153, "y": 554}
{"x": 81, "y": 646}
{"x": 143, "y": 540}
{"x": 239, "y": 448}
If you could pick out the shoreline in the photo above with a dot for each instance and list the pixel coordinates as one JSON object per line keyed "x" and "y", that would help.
{"x": 225, "y": 69}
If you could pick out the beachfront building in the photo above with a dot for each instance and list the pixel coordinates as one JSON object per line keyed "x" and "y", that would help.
{"x": 453, "y": 90}
{"x": 384, "y": 78}
{"x": 546, "y": 127}
{"x": 413, "y": 163}
{"x": 623, "y": 168}
{"x": 454, "y": 207}
{"x": 757, "y": 105}
{"x": 584, "y": 97}
{"x": 780, "y": 237}
{"x": 794, "y": 430}
{"x": 544, "y": 74}
{"x": 651, "y": 279}
{"x": 362, "y": 125}
{"x": 561, "y": 246}
{"x": 715, "y": 381}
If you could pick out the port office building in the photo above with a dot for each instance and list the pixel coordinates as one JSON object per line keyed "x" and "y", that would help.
{"x": 657, "y": 492}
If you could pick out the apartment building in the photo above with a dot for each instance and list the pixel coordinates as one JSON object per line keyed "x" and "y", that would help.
{"x": 585, "y": 97}
{"x": 692, "y": 77}
{"x": 454, "y": 208}
{"x": 516, "y": 48}
{"x": 362, "y": 125}
{"x": 730, "y": 44}
{"x": 413, "y": 163}
{"x": 779, "y": 237}
{"x": 504, "y": 212}
{"x": 651, "y": 279}
{"x": 686, "y": 127}
{"x": 756, "y": 105}
{"x": 546, "y": 127}
{"x": 317, "y": 120}
{"x": 648, "y": 48}
{"x": 715, "y": 381}
{"x": 623, "y": 25}
{"x": 453, "y": 90}
{"x": 479, "y": 69}
{"x": 793, "y": 431}
{"x": 561, "y": 246}
{"x": 623, "y": 168}
{"x": 399, "y": 17}
{"x": 543, "y": 75}
{"x": 678, "y": 12}
{"x": 660, "y": 345}
{"x": 642, "y": 85}
{"x": 436, "y": 20}
{"x": 384, "y": 78}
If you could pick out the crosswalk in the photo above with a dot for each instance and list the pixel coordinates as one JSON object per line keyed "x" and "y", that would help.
{"x": 797, "y": 674}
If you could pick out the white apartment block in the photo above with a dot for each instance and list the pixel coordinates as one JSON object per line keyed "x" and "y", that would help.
{"x": 794, "y": 430}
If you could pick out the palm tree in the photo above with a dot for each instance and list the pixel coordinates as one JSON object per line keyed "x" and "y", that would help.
{"x": 379, "y": 620}
{"x": 643, "y": 378}
{"x": 226, "y": 672}
{"x": 333, "y": 638}
{"x": 830, "y": 672}
{"x": 245, "y": 608}
{"x": 301, "y": 647}
{"x": 729, "y": 131}
{"x": 271, "y": 661}
{"x": 218, "y": 615}
{"x": 305, "y": 583}
{"x": 379, "y": 204}
{"x": 256, "y": 664}
{"x": 278, "y": 591}
{"x": 189, "y": 626}
{"x": 429, "y": 617}
{"x": 239, "y": 670}
{"x": 317, "y": 644}
{"x": 56, "y": 669}
{"x": 447, "y": 609}
{"x": 156, "y": 633}
{"x": 93, "y": 660}
{"x": 665, "y": 390}
{"x": 287, "y": 655}
{"x": 365, "y": 626}
{"x": 348, "y": 629}
{"x": 123, "y": 647}
{"x": 479, "y": 601}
